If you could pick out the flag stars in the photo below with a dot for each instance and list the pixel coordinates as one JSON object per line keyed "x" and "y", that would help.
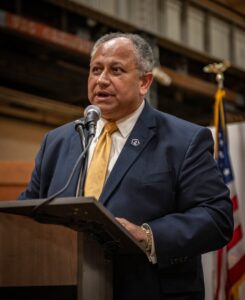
{"x": 226, "y": 172}
{"x": 221, "y": 142}
{"x": 221, "y": 155}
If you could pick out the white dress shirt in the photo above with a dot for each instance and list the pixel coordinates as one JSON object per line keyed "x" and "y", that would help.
{"x": 119, "y": 137}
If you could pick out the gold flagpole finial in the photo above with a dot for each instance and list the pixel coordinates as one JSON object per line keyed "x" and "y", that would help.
{"x": 218, "y": 69}
{"x": 219, "y": 116}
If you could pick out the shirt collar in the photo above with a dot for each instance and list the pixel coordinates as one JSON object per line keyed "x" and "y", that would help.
{"x": 125, "y": 125}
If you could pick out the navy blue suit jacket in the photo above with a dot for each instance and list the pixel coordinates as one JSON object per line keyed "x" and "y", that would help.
{"x": 169, "y": 179}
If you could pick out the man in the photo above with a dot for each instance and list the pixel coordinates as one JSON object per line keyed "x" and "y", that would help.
{"x": 161, "y": 174}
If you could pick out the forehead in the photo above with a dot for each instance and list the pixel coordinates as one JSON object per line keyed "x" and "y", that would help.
{"x": 119, "y": 49}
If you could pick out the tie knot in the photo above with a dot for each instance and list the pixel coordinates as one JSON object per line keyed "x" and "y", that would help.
{"x": 111, "y": 127}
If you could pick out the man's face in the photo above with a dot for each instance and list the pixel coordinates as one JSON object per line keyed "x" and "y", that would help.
{"x": 114, "y": 82}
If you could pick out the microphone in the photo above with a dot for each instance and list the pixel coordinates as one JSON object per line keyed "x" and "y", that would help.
{"x": 92, "y": 114}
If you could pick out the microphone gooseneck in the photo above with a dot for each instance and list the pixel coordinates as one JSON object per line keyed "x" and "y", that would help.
{"x": 37, "y": 208}
{"x": 79, "y": 127}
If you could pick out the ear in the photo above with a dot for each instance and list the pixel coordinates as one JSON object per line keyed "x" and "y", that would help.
{"x": 145, "y": 83}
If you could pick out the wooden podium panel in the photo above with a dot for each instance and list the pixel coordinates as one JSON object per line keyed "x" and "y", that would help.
{"x": 35, "y": 254}
{"x": 78, "y": 251}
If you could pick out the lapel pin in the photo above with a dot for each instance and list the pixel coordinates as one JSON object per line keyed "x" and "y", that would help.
{"x": 135, "y": 142}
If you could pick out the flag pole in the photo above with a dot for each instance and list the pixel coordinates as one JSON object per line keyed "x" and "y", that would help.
{"x": 219, "y": 120}
{"x": 218, "y": 69}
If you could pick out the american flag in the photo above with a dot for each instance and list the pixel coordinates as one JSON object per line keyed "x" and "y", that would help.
{"x": 230, "y": 267}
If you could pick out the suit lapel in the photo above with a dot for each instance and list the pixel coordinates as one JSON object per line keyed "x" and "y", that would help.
{"x": 136, "y": 142}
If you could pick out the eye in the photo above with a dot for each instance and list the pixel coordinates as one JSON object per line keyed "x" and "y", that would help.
{"x": 96, "y": 70}
{"x": 117, "y": 70}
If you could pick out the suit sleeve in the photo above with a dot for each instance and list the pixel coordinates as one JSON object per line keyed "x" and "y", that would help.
{"x": 203, "y": 221}
{"x": 34, "y": 186}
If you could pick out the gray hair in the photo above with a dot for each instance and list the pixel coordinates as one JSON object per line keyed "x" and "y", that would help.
{"x": 143, "y": 50}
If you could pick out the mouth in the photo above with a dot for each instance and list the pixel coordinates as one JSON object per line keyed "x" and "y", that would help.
{"x": 103, "y": 95}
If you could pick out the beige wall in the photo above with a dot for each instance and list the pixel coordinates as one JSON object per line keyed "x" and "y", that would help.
{"x": 19, "y": 139}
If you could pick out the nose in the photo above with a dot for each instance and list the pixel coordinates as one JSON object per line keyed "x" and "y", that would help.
{"x": 103, "y": 78}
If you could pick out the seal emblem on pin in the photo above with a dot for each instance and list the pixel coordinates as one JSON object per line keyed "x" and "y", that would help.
{"x": 135, "y": 142}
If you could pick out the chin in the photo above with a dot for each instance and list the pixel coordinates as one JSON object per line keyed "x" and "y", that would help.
{"x": 107, "y": 112}
{"x": 109, "y": 116}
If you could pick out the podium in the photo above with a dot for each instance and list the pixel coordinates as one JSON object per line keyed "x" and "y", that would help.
{"x": 71, "y": 241}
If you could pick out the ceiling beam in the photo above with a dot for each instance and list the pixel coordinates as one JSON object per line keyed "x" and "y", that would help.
{"x": 222, "y": 11}
{"x": 51, "y": 76}
{"x": 18, "y": 104}
{"x": 191, "y": 83}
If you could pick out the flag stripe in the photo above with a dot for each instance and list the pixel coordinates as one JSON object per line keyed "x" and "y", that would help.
{"x": 232, "y": 189}
{"x": 234, "y": 202}
{"x": 235, "y": 273}
{"x": 235, "y": 254}
{"x": 237, "y": 236}
{"x": 219, "y": 271}
{"x": 236, "y": 218}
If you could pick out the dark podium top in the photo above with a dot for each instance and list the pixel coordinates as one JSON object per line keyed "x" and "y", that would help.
{"x": 80, "y": 214}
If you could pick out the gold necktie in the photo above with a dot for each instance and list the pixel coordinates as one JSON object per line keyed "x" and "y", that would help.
{"x": 97, "y": 170}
